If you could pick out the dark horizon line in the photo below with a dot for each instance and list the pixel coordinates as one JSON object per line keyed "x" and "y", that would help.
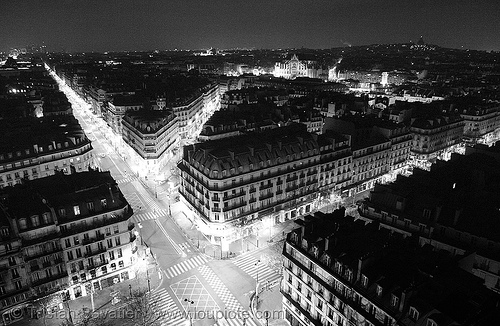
{"x": 256, "y": 49}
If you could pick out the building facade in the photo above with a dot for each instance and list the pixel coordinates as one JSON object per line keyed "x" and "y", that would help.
{"x": 153, "y": 135}
{"x": 33, "y": 148}
{"x": 237, "y": 186}
{"x": 340, "y": 272}
{"x": 65, "y": 236}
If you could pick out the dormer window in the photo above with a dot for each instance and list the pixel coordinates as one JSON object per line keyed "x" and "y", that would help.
{"x": 364, "y": 281}
{"x": 413, "y": 314}
{"x": 379, "y": 290}
{"x": 394, "y": 301}
{"x": 431, "y": 322}
{"x": 104, "y": 203}
{"x": 315, "y": 252}
{"x": 35, "y": 221}
{"x": 304, "y": 243}
{"x": 76, "y": 210}
{"x": 90, "y": 206}
{"x": 294, "y": 237}
{"x": 22, "y": 224}
{"x": 62, "y": 212}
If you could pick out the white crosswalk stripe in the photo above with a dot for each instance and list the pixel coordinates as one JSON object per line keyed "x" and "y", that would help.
{"x": 165, "y": 307}
{"x": 126, "y": 180}
{"x": 185, "y": 266}
{"x": 149, "y": 215}
{"x": 230, "y": 301}
{"x": 185, "y": 246}
{"x": 145, "y": 195}
{"x": 250, "y": 266}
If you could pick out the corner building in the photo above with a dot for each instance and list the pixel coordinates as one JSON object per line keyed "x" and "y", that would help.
{"x": 62, "y": 236}
{"x": 340, "y": 272}
{"x": 237, "y": 186}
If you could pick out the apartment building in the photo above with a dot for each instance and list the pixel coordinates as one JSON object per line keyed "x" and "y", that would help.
{"x": 454, "y": 207}
{"x": 481, "y": 123}
{"x": 433, "y": 136}
{"x": 116, "y": 109}
{"x": 153, "y": 135}
{"x": 335, "y": 163}
{"x": 340, "y": 272}
{"x": 33, "y": 148}
{"x": 235, "y": 186}
{"x": 65, "y": 236}
{"x": 193, "y": 113}
{"x": 401, "y": 142}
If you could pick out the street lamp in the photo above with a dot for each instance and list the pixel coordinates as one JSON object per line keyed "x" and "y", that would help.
{"x": 257, "y": 280}
{"x": 187, "y": 310}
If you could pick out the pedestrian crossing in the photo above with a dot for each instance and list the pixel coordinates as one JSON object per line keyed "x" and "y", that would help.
{"x": 150, "y": 202}
{"x": 185, "y": 266}
{"x": 230, "y": 302}
{"x": 185, "y": 246}
{"x": 150, "y": 215}
{"x": 126, "y": 180}
{"x": 251, "y": 265}
{"x": 166, "y": 309}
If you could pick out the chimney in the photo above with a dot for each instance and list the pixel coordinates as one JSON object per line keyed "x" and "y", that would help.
{"x": 327, "y": 243}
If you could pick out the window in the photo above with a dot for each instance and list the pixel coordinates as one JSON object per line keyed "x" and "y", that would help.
{"x": 413, "y": 313}
{"x": 110, "y": 243}
{"x": 107, "y": 231}
{"x": 120, "y": 254}
{"x": 35, "y": 221}
{"x": 364, "y": 281}
{"x": 120, "y": 263}
{"x": 111, "y": 255}
{"x": 431, "y": 322}
{"x": 67, "y": 242}
{"x": 117, "y": 241}
{"x": 394, "y": 301}
{"x": 22, "y": 224}
{"x": 76, "y": 210}
{"x": 76, "y": 240}
{"x": 115, "y": 229}
{"x": 78, "y": 252}
{"x": 90, "y": 206}
{"x": 70, "y": 255}
{"x": 18, "y": 285}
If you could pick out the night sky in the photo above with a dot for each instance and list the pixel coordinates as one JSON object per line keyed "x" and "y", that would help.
{"x": 111, "y": 25}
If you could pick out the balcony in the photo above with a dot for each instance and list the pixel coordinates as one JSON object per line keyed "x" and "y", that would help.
{"x": 97, "y": 224}
{"x": 252, "y": 190}
{"x": 266, "y": 196}
{"x": 50, "y": 279}
{"x": 99, "y": 237}
{"x": 266, "y": 186}
{"x": 94, "y": 252}
{"x": 96, "y": 265}
{"x": 46, "y": 264}
{"x": 47, "y": 237}
{"x": 42, "y": 253}
{"x": 235, "y": 195}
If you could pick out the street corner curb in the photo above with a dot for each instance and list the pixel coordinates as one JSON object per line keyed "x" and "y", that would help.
{"x": 161, "y": 281}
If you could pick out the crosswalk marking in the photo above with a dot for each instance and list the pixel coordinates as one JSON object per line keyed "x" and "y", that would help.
{"x": 126, "y": 180}
{"x": 248, "y": 265}
{"x": 185, "y": 246}
{"x": 145, "y": 195}
{"x": 165, "y": 307}
{"x": 185, "y": 266}
{"x": 230, "y": 302}
{"x": 150, "y": 215}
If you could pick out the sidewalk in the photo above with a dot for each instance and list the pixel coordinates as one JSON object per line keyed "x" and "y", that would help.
{"x": 102, "y": 299}
{"x": 269, "y": 310}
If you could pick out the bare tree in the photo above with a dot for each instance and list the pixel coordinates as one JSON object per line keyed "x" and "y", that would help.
{"x": 142, "y": 305}
{"x": 87, "y": 317}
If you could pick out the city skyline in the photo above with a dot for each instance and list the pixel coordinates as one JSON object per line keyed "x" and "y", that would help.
{"x": 127, "y": 25}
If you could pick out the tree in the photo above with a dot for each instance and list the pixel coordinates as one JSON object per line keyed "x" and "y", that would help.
{"x": 87, "y": 317}
{"x": 142, "y": 303}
